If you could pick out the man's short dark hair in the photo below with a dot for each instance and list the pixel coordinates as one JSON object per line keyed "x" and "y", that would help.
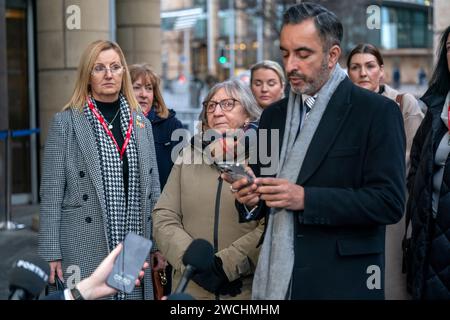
{"x": 328, "y": 25}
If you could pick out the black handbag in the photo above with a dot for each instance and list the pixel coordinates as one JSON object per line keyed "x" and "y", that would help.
{"x": 57, "y": 286}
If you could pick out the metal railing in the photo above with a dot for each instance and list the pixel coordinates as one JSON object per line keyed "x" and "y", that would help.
{"x": 7, "y": 135}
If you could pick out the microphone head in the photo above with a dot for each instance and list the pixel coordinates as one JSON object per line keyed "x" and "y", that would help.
{"x": 30, "y": 274}
{"x": 180, "y": 296}
{"x": 199, "y": 254}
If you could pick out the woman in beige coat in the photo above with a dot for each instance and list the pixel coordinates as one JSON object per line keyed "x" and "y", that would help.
{"x": 197, "y": 203}
{"x": 366, "y": 69}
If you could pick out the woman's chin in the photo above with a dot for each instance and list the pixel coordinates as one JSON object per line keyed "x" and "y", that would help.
{"x": 225, "y": 129}
{"x": 367, "y": 86}
{"x": 145, "y": 108}
{"x": 221, "y": 129}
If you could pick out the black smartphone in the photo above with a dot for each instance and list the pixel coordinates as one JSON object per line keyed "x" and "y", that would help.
{"x": 235, "y": 171}
{"x": 129, "y": 262}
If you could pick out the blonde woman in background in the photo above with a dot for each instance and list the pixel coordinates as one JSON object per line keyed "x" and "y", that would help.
{"x": 267, "y": 81}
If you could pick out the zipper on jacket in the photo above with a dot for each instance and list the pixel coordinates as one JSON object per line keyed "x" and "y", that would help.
{"x": 216, "y": 219}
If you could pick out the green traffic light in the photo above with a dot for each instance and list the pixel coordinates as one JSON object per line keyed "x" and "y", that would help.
{"x": 223, "y": 60}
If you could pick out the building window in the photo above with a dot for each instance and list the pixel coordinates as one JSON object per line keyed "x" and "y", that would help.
{"x": 405, "y": 28}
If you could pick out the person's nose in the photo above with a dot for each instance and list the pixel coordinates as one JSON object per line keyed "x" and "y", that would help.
{"x": 218, "y": 111}
{"x": 142, "y": 93}
{"x": 264, "y": 87}
{"x": 108, "y": 73}
{"x": 363, "y": 72}
{"x": 290, "y": 63}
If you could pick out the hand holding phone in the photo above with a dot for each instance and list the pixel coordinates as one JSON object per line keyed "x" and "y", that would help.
{"x": 129, "y": 262}
{"x": 235, "y": 171}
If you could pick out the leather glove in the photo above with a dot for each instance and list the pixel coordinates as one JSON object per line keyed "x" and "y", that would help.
{"x": 215, "y": 280}
{"x": 232, "y": 288}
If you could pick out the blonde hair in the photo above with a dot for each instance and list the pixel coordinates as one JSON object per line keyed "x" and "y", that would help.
{"x": 82, "y": 87}
{"x": 145, "y": 72}
{"x": 271, "y": 65}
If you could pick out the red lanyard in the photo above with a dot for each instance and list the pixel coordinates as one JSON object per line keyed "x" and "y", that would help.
{"x": 105, "y": 127}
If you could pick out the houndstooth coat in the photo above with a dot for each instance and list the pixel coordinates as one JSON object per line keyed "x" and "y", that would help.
{"x": 73, "y": 213}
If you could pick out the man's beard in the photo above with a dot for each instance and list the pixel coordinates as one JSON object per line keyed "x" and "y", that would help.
{"x": 311, "y": 85}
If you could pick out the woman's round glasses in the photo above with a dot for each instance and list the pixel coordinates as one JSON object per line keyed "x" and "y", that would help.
{"x": 225, "y": 105}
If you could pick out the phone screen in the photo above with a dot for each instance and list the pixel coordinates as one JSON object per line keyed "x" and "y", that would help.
{"x": 129, "y": 262}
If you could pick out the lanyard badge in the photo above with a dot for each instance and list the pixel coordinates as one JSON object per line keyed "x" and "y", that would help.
{"x": 108, "y": 131}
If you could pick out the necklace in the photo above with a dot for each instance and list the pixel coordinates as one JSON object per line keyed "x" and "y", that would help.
{"x": 110, "y": 124}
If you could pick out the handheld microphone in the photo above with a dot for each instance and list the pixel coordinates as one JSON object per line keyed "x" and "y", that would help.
{"x": 199, "y": 256}
{"x": 28, "y": 278}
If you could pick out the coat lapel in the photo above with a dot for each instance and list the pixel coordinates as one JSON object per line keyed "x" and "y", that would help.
{"x": 331, "y": 123}
{"x": 86, "y": 140}
{"x": 144, "y": 150}
{"x": 279, "y": 122}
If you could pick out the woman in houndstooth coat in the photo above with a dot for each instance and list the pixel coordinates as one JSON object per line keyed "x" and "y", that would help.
{"x": 100, "y": 177}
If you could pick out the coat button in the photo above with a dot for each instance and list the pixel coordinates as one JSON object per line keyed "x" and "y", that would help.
{"x": 85, "y": 197}
{"x": 88, "y": 219}
{"x": 82, "y": 174}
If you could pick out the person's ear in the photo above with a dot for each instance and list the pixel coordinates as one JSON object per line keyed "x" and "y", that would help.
{"x": 382, "y": 73}
{"x": 334, "y": 54}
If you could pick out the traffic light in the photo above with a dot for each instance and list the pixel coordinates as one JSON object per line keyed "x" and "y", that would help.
{"x": 222, "y": 56}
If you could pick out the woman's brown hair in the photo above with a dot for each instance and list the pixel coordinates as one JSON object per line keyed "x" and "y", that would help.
{"x": 145, "y": 72}
{"x": 366, "y": 48}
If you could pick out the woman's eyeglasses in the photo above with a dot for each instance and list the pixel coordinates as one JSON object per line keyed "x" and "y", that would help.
{"x": 225, "y": 105}
{"x": 101, "y": 69}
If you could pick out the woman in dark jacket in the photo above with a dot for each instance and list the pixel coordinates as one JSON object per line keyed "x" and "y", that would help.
{"x": 429, "y": 189}
{"x": 164, "y": 123}
{"x": 146, "y": 89}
